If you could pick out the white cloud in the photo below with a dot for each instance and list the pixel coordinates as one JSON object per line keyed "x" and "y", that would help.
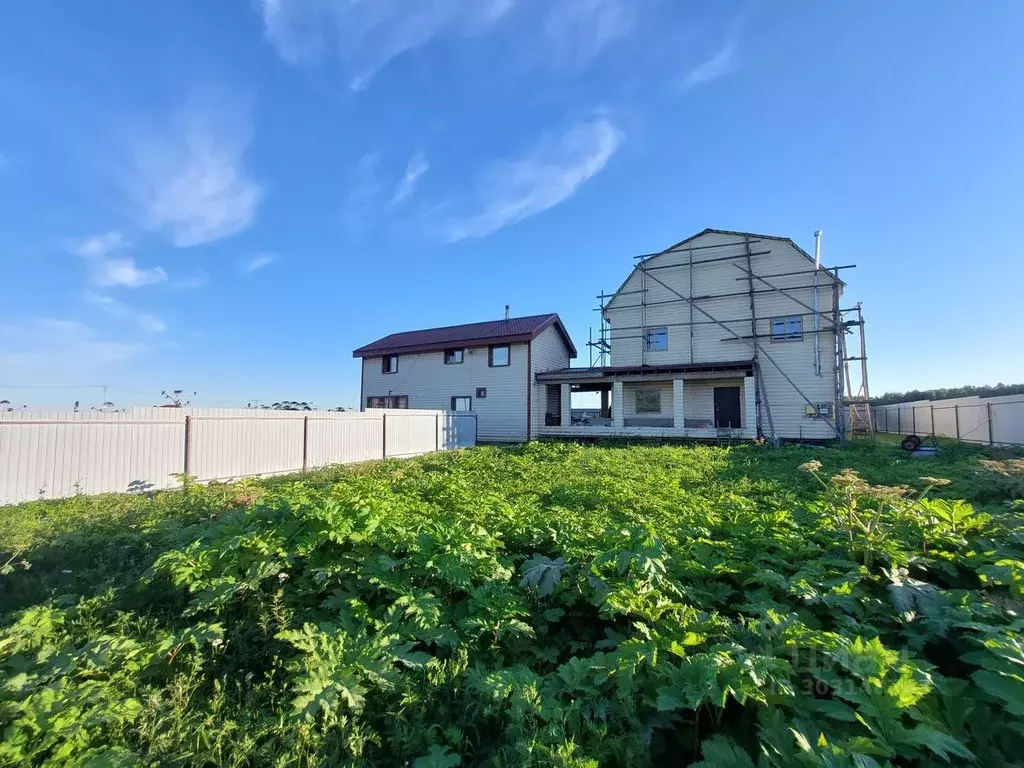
{"x": 511, "y": 190}
{"x": 724, "y": 62}
{"x": 98, "y": 246}
{"x": 110, "y": 270}
{"x": 47, "y": 350}
{"x": 121, "y": 270}
{"x": 258, "y": 262}
{"x": 147, "y": 321}
{"x": 190, "y": 180}
{"x": 578, "y": 30}
{"x": 368, "y": 34}
{"x": 417, "y": 166}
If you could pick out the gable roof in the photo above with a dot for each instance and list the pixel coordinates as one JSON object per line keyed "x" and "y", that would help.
{"x": 513, "y": 330}
{"x": 710, "y": 231}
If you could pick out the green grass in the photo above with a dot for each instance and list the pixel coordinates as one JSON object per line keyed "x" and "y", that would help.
{"x": 549, "y": 604}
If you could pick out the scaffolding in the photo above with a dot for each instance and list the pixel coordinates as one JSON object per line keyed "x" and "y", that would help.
{"x": 849, "y": 412}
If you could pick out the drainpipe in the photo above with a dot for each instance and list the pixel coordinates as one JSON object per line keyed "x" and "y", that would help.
{"x": 817, "y": 321}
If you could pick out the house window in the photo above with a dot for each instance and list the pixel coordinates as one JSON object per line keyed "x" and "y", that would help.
{"x": 648, "y": 401}
{"x": 789, "y": 328}
{"x": 498, "y": 356}
{"x": 453, "y": 356}
{"x": 387, "y": 401}
{"x": 462, "y": 403}
{"x": 389, "y": 364}
{"x": 656, "y": 339}
{"x": 481, "y": 393}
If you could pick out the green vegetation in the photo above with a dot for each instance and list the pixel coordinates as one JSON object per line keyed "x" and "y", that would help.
{"x": 550, "y": 605}
{"x": 944, "y": 393}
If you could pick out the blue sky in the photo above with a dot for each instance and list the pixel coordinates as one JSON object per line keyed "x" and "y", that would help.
{"x": 229, "y": 197}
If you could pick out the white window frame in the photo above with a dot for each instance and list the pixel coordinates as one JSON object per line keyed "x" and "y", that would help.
{"x": 656, "y": 339}
{"x": 787, "y": 328}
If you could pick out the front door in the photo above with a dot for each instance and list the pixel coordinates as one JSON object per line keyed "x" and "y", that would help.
{"x": 727, "y": 407}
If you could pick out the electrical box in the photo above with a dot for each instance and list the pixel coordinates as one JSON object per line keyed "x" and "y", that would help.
{"x": 818, "y": 410}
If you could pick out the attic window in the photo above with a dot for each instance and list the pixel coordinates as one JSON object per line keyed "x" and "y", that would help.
{"x": 656, "y": 339}
{"x": 389, "y": 364}
{"x": 789, "y": 328}
{"x": 453, "y": 356}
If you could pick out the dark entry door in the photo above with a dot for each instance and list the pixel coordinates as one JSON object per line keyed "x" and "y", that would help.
{"x": 727, "y": 407}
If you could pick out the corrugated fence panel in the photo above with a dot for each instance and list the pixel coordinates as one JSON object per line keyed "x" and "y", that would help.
{"x": 411, "y": 435}
{"x": 57, "y": 454}
{"x": 345, "y": 441}
{"x": 40, "y": 459}
{"x": 999, "y": 420}
{"x": 231, "y": 447}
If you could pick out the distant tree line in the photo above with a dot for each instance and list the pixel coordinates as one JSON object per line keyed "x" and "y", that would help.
{"x": 944, "y": 393}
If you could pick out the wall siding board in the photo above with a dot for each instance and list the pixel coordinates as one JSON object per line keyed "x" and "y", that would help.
{"x": 796, "y": 358}
{"x": 431, "y": 384}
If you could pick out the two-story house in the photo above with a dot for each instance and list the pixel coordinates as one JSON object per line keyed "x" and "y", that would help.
{"x": 487, "y": 368}
{"x": 725, "y": 333}
{"x": 722, "y": 333}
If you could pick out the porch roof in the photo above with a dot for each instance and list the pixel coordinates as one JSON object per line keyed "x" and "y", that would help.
{"x": 610, "y": 373}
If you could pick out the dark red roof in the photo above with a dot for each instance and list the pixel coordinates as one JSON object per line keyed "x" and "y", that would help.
{"x": 515, "y": 329}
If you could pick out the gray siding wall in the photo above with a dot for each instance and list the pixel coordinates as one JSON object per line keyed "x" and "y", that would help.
{"x": 708, "y": 342}
{"x": 549, "y": 354}
{"x": 430, "y": 383}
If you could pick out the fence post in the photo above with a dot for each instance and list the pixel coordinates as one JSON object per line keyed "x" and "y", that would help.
{"x": 187, "y": 468}
{"x": 988, "y": 408}
{"x": 305, "y": 443}
{"x": 932, "y": 407}
{"x": 899, "y": 426}
{"x": 913, "y": 419}
{"x": 956, "y": 415}
{"x": 437, "y": 432}
{"x": 384, "y": 435}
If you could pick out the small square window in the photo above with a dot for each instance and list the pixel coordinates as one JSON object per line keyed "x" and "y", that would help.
{"x": 648, "y": 401}
{"x": 462, "y": 403}
{"x": 656, "y": 339}
{"x": 453, "y": 356}
{"x": 790, "y": 328}
{"x": 498, "y": 356}
{"x": 481, "y": 393}
{"x": 389, "y": 364}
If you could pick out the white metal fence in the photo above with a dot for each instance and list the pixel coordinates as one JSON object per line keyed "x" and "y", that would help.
{"x": 991, "y": 420}
{"x": 58, "y": 454}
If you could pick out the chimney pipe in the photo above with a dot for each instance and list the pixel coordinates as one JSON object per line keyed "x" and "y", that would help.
{"x": 507, "y": 310}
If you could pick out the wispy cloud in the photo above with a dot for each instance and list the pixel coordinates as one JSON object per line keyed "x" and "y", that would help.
{"x": 418, "y": 166}
{"x": 47, "y": 350}
{"x": 147, "y": 321}
{"x": 722, "y": 63}
{"x": 511, "y": 190}
{"x": 258, "y": 262}
{"x": 190, "y": 180}
{"x": 114, "y": 270}
{"x": 367, "y": 34}
{"x": 196, "y": 280}
{"x": 578, "y": 30}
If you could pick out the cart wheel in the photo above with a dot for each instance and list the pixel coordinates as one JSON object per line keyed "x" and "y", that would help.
{"x": 911, "y": 443}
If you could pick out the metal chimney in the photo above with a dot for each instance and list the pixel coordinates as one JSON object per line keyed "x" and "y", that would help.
{"x": 507, "y": 312}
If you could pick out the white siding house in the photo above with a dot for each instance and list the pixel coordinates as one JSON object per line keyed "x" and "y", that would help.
{"x": 725, "y": 332}
{"x": 486, "y": 368}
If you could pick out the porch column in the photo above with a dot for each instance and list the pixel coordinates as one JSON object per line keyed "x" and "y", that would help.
{"x": 617, "y": 405}
{"x": 750, "y": 406}
{"x": 604, "y": 404}
{"x": 678, "y": 415}
{"x": 566, "y": 400}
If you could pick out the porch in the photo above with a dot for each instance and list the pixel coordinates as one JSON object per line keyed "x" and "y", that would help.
{"x": 706, "y": 401}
